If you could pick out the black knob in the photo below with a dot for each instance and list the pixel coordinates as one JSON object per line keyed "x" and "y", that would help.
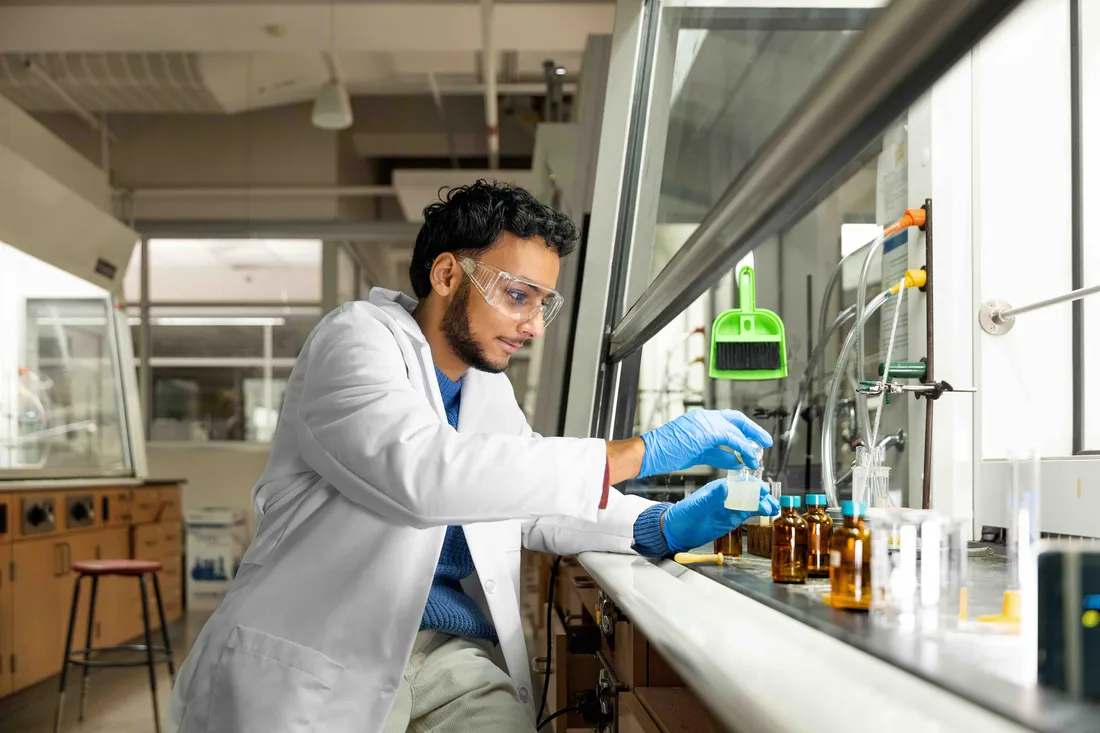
{"x": 80, "y": 512}
{"x": 37, "y": 515}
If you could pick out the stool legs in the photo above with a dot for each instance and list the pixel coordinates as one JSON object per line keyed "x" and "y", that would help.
{"x": 148, "y": 651}
{"x": 88, "y": 645}
{"x": 68, "y": 651}
{"x": 164, "y": 629}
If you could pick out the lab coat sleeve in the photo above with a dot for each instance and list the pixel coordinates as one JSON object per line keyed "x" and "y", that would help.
{"x": 613, "y": 530}
{"x": 363, "y": 427}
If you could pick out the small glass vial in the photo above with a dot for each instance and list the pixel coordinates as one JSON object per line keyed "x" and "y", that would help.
{"x": 729, "y": 544}
{"x": 789, "y": 536}
{"x": 850, "y": 561}
{"x": 817, "y": 541}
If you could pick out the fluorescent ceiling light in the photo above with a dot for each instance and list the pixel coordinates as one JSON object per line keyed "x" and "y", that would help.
{"x": 332, "y": 108}
{"x": 204, "y": 321}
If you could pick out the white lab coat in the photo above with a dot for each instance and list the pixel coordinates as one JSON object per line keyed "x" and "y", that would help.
{"x": 364, "y": 476}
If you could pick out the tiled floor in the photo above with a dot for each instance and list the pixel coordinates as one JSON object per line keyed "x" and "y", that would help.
{"x": 119, "y": 700}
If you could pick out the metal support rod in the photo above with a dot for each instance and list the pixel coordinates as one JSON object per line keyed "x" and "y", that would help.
{"x": 48, "y": 81}
{"x": 203, "y": 192}
{"x": 809, "y": 351}
{"x": 929, "y": 376}
{"x": 437, "y": 97}
{"x": 489, "y": 64}
{"x": 885, "y": 70}
{"x": 1000, "y": 316}
{"x": 145, "y": 338}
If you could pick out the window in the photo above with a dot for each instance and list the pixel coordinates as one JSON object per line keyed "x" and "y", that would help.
{"x": 723, "y": 80}
{"x": 1089, "y": 86}
{"x": 227, "y": 320}
{"x": 62, "y": 411}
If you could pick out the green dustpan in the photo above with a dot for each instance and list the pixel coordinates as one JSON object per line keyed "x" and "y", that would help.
{"x": 745, "y": 343}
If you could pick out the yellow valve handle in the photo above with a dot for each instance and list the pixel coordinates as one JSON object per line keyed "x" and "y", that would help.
{"x": 687, "y": 558}
{"x": 912, "y": 279}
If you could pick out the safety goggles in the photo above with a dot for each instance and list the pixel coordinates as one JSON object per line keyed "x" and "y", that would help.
{"x": 519, "y": 299}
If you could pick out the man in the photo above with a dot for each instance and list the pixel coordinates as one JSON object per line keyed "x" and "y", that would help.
{"x": 380, "y": 592}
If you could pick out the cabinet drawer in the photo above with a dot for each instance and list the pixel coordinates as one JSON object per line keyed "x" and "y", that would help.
{"x": 157, "y": 505}
{"x": 633, "y": 718}
{"x": 115, "y": 506}
{"x": 148, "y": 542}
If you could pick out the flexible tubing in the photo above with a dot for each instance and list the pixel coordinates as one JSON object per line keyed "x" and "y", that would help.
{"x": 828, "y": 447}
{"x": 863, "y": 415}
{"x": 833, "y": 279}
{"x": 886, "y": 371}
{"x": 787, "y": 439}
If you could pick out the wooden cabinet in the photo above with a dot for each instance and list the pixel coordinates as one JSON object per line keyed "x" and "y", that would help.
{"x": 114, "y": 618}
{"x": 40, "y": 609}
{"x": 37, "y": 578}
{"x": 5, "y": 619}
{"x": 633, "y": 718}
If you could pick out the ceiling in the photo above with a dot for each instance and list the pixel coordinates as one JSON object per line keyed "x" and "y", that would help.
{"x": 239, "y": 55}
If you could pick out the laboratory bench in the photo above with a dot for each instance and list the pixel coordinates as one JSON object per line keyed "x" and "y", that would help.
{"x": 755, "y": 656}
{"x": 46, "y": 527}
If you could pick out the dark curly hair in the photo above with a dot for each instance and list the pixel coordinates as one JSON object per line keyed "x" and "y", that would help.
{"x": 470, "y": 218}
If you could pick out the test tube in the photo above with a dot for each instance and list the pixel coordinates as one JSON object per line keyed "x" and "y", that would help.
{"x": 1019, "y": 610}
{"x": 954, "y": 583}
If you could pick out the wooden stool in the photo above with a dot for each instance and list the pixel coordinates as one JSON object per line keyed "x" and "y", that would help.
{"x": 95, "y": 569}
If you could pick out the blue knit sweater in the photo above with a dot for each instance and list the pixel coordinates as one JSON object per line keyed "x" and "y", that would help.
{"x": 448, "y": 608}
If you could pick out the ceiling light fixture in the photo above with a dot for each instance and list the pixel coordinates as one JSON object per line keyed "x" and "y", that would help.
{"x": 332, "y": 108}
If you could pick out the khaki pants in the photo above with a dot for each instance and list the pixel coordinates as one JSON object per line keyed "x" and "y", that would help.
{"x": 451, "y": 686}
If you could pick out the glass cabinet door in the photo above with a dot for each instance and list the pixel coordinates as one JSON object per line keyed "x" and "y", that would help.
{"x": 62, "y": 408}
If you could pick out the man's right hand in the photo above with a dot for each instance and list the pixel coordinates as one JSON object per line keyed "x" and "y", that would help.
{"x": 696, "y": 438}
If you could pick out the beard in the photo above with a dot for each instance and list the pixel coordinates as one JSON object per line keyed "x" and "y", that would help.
{"x": 456, "y": 330}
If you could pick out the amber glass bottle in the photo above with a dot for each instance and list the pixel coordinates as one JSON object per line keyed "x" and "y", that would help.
{"x": 729, "y": 544}
{"x": 850, "y": 561}
{"x": 789, "y": 543}
{"x": 817, "y": 539}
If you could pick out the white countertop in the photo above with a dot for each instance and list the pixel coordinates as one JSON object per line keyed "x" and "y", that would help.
{"x": 759, "y": 670}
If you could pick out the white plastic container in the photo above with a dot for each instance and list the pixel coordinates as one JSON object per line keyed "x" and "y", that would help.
{"x": 216, "y": 540}
{"x": 742, "y": 495}
{"x": 743, "y": 486}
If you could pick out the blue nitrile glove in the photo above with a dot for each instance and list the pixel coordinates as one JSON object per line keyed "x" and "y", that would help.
{"x": 692, "y": 439}
{"x": 702, "y": 517}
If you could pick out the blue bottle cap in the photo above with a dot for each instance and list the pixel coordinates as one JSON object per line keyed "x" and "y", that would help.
{"x": 790, "y": 501}
{"x": 815, "y": 500}
{"x": 853, "y": 508}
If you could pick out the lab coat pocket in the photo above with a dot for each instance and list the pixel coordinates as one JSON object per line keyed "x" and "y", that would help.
{"x": 265, "y": 684}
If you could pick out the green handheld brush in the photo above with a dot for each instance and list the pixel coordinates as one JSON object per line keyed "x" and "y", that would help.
{"x": 745, "y": 343}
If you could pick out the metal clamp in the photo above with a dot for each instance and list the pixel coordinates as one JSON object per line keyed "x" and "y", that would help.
{"x": 931, "y": 390}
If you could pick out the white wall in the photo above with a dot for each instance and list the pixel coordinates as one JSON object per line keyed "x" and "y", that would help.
{"x": 269, "y": 148}
{"x": 217, "y": 475}
{"x": 1022, "y": 228}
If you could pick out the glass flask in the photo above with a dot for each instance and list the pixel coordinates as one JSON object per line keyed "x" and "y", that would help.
{"x": 789, "y": 536}
{"x": 729, "y": 544}
{"x": 850, "y": 560}
{"x": 817, "y": 537}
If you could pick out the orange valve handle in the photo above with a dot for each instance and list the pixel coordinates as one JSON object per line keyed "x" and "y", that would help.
{"x": 912, "y": 218}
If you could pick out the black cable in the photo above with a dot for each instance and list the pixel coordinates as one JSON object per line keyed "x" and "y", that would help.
{"x": 549, "y": 635}
{"x": 563, "y": 711}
